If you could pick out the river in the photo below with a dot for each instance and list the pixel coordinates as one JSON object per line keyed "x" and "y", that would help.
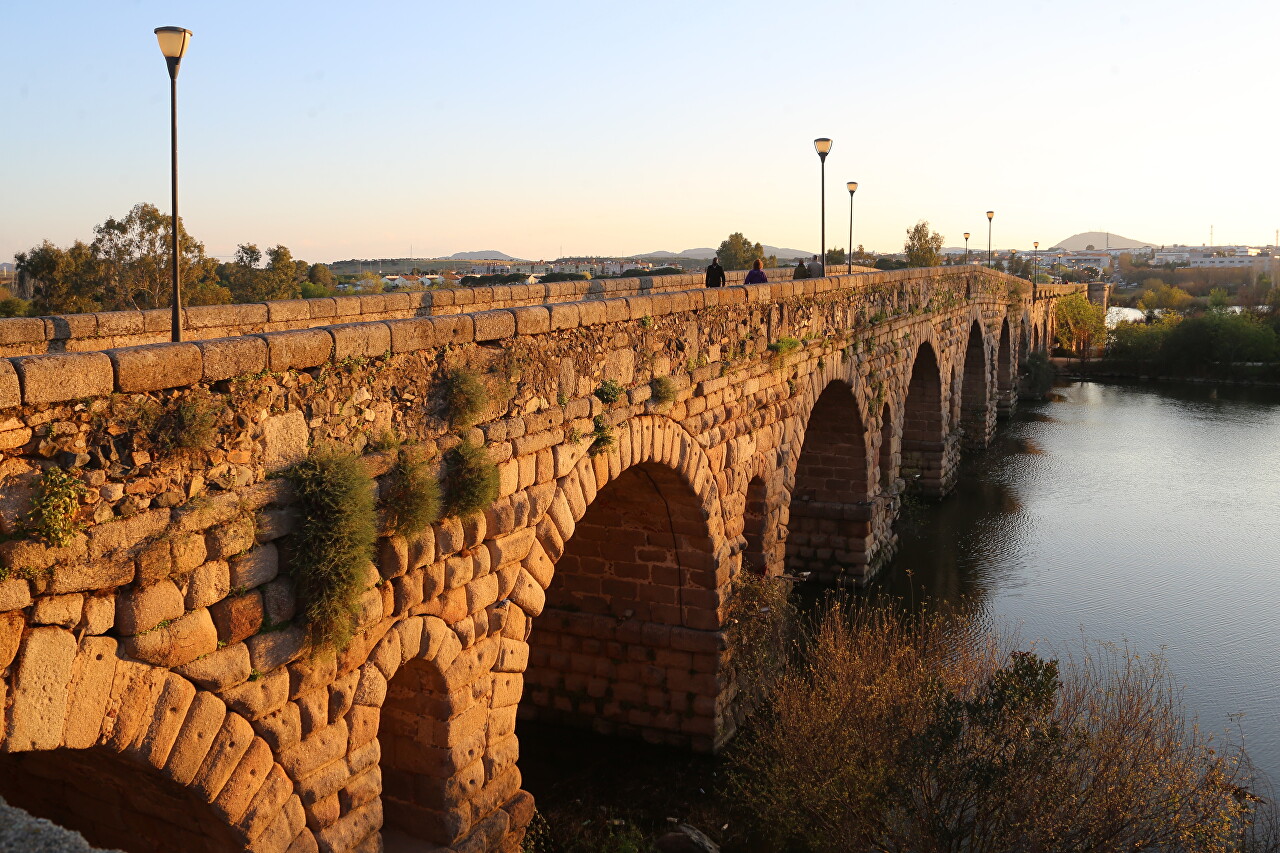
{"x": 1140, "y": 513}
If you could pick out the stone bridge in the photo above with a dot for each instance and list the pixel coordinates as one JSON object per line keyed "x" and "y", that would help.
{"x": 651, "y": 441}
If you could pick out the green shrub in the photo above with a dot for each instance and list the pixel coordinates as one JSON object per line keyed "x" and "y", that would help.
{"x": 1037, "y": 375}
{"x": 470, "y": 480}
{"x": 465, "y": 397}
{"x": 334, "y": 543}
{"x": 663, "y": 390}
{"x": 56, "y": 505}
{"x": 412, "y": 497}
{"x": 609, "y": 391}
{"x": 759, "y": 633}
{"x": 782, "y": 346}
{"x": 601, "y": 436}
{"x": 188, "y": 423}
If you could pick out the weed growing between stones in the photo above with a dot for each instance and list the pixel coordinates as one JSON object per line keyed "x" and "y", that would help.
{"x": 601, "y": 436}
{"x": 470, "y": 480}
{"x": 465, "y": 398}
{"x": 609, "y": 392}
{"x": 781, "y": 347}
{"x": 334, "y": 543}
{"x": 412, "y": 496}
{"x": 56, "y": 505}
{"x": 663, "y": 390}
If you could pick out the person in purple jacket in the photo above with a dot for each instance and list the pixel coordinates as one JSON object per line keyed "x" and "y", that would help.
{"x": 756, "y": 274}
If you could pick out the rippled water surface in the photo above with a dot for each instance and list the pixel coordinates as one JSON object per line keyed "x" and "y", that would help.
{"x": 1138, "y": 513}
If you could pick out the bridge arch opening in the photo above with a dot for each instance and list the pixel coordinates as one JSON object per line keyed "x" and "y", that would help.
{"x": 755, "y": 528}
{"x": 1004, "y": 360}
{"x": 887, "y": 472}
{"x": 114, "y": 802}
{"x": 975, "y": 398}
{"x": 923, "y": 440}
{"x": 628, "y": 643}
{"x": 829, "y": 529}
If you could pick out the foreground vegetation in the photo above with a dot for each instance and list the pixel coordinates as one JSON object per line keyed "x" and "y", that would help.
{"x": 929, "y": 732}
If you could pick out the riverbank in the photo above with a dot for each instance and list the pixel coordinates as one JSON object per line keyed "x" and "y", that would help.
{"x": 1108, "y": 371}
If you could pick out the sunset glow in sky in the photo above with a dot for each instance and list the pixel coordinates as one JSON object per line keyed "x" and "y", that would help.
{"x": 372, "y": 129}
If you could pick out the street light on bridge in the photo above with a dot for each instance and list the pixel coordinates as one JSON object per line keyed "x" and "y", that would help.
{"x": 852, "y": 186}
{"x": 966, "y": 247}
{"x": 1035, "y": 263}
{"x": 990, "y": 215}
{"x": 173, "y": 44}
{"x": 823, "y": 146}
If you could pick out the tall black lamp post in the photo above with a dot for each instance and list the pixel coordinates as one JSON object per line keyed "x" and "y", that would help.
{"x": 966, "y": 247}
{"x": 823, "y": 146}
{"x": 1035, "y": 262}
{"x": 173, "y": 44}
{"x": 990, "y": 215}
{"x": 852, "y": 186}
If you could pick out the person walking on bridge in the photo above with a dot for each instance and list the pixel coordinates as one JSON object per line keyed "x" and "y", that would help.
{"x": 756, "y": 274}
{"x": 715, "y": 274}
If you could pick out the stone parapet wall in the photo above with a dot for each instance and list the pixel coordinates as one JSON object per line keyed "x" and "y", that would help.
{"x": 165, "y": 640}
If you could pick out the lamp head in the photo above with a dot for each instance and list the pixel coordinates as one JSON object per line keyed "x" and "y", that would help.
{"x": 966, "y": 235}
{"x": 173, "y": 44}
{"x": 990, "y": 215}
{"x": 823, "y": 146}
{"x": 1036, "y": 244}
{"x": 852, "y": 187}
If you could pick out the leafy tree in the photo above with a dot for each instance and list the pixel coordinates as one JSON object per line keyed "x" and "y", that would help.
{"x": 134, "y": 262}
{"x": 321, "y": 275}
{"x": 65, "y": 280}
{"x": 1160, "y": 295}
{"x": 1219, "y": 298}
{"x": 739, "y": 253}
{"x": 863, "y": 258}
{"x": 923, "y": 247}
{"x": 253, "y": 278}
{"x": 1081, "y": 324}
{"x": 835, "y": 256}
{"x": 889, "y": 264}
{"x": 552, "y": 277}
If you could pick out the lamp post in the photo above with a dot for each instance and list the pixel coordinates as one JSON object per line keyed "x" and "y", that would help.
{"x": 823, "y": 146}
{"x": 1059, "y": 265}
{"x": 966, "y": 248}
{"x": 173, "y": 44}
{"x": 990, "y": 215}
{"x": 852, "y": 186}
{"x": 1035, "y": 262}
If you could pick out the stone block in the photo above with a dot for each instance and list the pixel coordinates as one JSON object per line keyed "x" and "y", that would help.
{"x": 99, "y": 614}
{"x": 279, "y": 600}
{"x": 156, "y": 366}
{"x": 323, "y": 746}
{"x": 166, "y": 721}
{"x": 360, "y": 340}
{"x": 265, "y": 806}
{"x": 208, "y": 584}
{"x": 15, "y": 594}
{"x": 61, "y": 610}
{"x": 244, "y": 782}
{"x": 119, "y": 323}
{"x": 298, "y": 349}
{"x": 188, "y": 552}
{"x": 237, "y": 617}
{"x": 411, "y": 335}
{"x": 64, "y": 376}
{"x": 179, "y": 642}
{"x": 90, "y": 691}
{"x": 225, "y": 358}
{"x": 92, "y": 574}
{"x": 39, "y": 694}
{"x": 276, "y": 648}
{"x": 10, "y": 387}
{"x": 141, "y": 608}
{"x": 494, "y": 325}
{"x": 223, "y": 668}
{"x": 195, "y": 738}
{"x": 284, "y": 440}
{"x": 453, "y": 329}
{"x": 257, "y": 566}
{"x": 564, "y": 315}
{"x": 229, "y": 317}
{"x": 127, "y": 533}
{"x": 288, "y": 310}
{"x": 229, "y": 746}
{"x": 532, "y": 320}
{"x": 260, "y": 695}
{"x": 22, "y": 330}
{"x": 323, "y": 307}
{"x": 11, "y": 625}
{"x": 229, "y": 540}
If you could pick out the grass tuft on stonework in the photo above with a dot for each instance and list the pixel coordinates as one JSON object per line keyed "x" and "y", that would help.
{"x": 663, "y": 390}
{"x": 470, "y": 480}
{"x": 412, "y": 497}
{"x": 334, "y": 543}
{"x": 465, "y": 398}
{"x": 55, "y": 506}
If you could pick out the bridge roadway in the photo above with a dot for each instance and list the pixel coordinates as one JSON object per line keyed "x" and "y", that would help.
{"x": 155, "y": 685}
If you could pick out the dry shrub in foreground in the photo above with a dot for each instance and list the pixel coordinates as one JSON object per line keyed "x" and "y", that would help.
{"x": 920, "y": 733}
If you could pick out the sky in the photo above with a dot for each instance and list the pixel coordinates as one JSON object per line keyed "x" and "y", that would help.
{"x": 377, "y": 129}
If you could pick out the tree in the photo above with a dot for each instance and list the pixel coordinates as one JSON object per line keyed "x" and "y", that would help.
{"x": 321, "y": 275}
{"x": 1158, "y": 295}
{"x": 835, "y": 256}
{"x": 251, "y": 278}
{"x": 1081, "y": 324}
{"x": 65, "y": 281}
{"x": 739, "y": 253}
{"x": 923, "y": 247}
{"x": 135, "y": 263}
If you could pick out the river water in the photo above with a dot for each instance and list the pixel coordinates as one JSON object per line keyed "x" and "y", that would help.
{"x": 1139, "y": 513}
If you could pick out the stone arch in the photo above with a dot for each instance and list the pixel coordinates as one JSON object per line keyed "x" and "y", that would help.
{"x": 637, "y": 577}
{"x": 829, "y": 530}
{"x": 977, "y": 415}
{"x": 923, "y": 440}
{"x": 135, "y": 756}
{"x": 755, "y": 555}
{"x": 1006, "y": 390}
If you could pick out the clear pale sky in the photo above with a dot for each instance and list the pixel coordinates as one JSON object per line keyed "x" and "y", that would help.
{"x": 366, "y": 129}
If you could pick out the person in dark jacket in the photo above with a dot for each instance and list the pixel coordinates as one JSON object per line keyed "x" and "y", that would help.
{"x": 715, "y": 274}
{"x": 756, "y": 274}
{"x": 801, "y": 270}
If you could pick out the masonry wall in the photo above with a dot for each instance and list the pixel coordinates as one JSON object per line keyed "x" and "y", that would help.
{"x": 166, "y": 638}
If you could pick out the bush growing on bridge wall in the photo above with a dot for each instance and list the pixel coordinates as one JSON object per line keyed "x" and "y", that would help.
{"x": 662, "y": 390}
{"x": 470, "y": 480}
{"x": 412, "y": 496}
{"x": 55, "y": 507}
{"x": 903, "y": 733}
{"x": 609, "y": 392}
{"x": 333, "y": 544}
{"x": 465, "y": 397}
{"x": 601, "y": 436}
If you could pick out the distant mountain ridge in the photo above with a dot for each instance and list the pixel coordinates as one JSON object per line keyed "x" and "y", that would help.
{"x": 1100, "y": 240}
{"x": 706, "y": 254}
{"x": 486, "y": 255}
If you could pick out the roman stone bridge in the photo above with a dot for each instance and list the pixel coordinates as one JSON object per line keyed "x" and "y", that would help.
{"x": 645, "y": 444}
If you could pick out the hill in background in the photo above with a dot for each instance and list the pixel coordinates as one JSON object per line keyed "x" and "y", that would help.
{"x": 486, "y": 255}
{"x": 1099, "y": 240}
